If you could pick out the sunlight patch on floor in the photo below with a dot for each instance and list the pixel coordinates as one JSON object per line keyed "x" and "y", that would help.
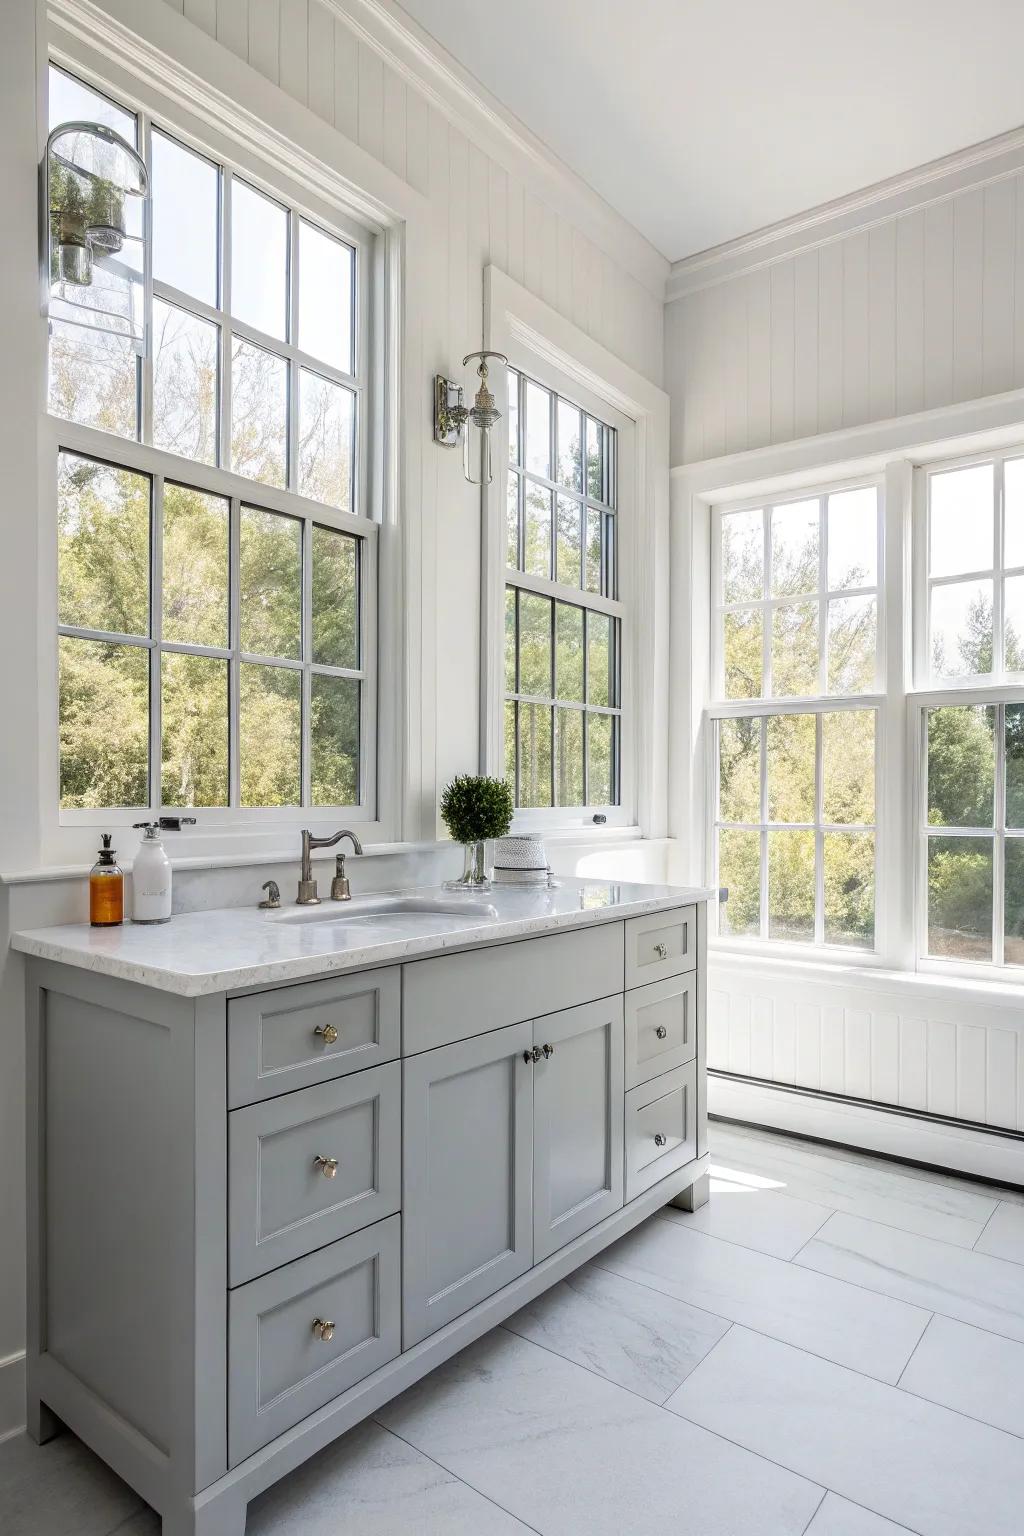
{"x": 733, "y": 1181}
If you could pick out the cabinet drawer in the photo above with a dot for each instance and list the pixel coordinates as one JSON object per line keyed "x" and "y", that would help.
{"x": 280, "y": 1368}
{"x": 661, "y": 1027}
{"x": 296, "y": 1036}
{"x": 661, "y": 1128}
{"x": 659, "y": 945}
{"x": 283, "y": 1202}
{"x": 454, "y": 996}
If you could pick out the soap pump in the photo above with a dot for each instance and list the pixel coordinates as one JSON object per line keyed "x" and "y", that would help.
{"x": 151, "y": 872}
{"x": 106, "y": 888}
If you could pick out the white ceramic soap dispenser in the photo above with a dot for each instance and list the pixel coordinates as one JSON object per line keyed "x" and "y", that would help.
{"x": 151, "y": 871}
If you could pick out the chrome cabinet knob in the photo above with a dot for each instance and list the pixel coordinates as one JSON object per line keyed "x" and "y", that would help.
{"x": 661, "y": 950}
{"x": 327, "y": 1033}
{"x": 548, "y": 1050}
{"x": 661, "y": 1032}
{"x": 532, "y": 1055}
{"x": 323, "y": 1329}
{"x": 328, "y": 1166}
{"x": 659, "y": 1139}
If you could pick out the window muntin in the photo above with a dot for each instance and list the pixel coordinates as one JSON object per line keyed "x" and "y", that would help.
{"x": 206, "y": 659}
{"x": 563, "y": 620}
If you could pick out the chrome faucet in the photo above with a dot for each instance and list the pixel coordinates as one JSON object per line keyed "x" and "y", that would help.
{"x": 340, "y": 890}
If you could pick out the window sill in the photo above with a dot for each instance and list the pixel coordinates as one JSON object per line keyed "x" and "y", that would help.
{"x": 869, "y": 975}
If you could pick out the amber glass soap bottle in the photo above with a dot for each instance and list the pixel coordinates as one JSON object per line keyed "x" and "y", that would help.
{"x": 106, "y": 889}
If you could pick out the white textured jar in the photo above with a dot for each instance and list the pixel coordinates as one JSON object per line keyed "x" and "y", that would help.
{"x": 151, "y": 879}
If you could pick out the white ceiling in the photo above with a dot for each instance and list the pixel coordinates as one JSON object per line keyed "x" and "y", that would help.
{"x": 701, "y": 120}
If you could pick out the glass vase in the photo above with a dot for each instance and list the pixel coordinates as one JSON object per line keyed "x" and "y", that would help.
{"x": 474, "y": 872}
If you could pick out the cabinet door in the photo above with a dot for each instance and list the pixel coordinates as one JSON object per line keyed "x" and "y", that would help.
{"x": 467, "y": 1159}
{"x": 578, "y": 1122}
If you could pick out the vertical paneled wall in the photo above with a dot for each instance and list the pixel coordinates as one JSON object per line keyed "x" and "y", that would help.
{"x": 925, "y": 309}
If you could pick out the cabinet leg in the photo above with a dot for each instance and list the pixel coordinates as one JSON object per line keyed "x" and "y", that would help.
{"x": 223, "y": 1516}
{"x": 42, "y": 1423}
{"x": 697, "y": 1195}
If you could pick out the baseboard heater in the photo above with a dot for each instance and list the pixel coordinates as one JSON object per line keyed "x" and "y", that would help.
{"x": 912, "y": 1136}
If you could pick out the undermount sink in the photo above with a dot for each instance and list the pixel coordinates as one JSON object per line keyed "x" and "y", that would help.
{"x": 385, "y": 909}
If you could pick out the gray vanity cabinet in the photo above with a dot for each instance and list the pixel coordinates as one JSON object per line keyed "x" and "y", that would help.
{"x": 468, "y": 1154}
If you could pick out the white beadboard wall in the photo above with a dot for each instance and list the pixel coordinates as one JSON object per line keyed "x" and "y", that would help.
{"x": 903, "y": 1044}
{"x": 919, "y": 310}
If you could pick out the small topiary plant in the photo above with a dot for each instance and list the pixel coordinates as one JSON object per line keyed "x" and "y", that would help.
{"x": 474, "y": 807}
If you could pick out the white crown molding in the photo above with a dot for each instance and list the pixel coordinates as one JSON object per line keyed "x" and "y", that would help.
{"x": 419, "y": 60}
{"x": 989, "y": 161}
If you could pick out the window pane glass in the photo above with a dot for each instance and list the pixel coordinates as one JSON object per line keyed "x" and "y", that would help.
{"x": 102, "y": 547}
{"x": 569, "y": 429}
{"x": 742, "y": 632}
{"x": 513, "y": 417}
{"x": 960, "y": 522}
{"x": 259, "y": 261}
{"x": 184, "y": 383}
{"x": 600, "y": 660}
{"x": 960, "y": 897}
{"x": 186, "y": 192}
{"x": 538, "y": 430}
{"x": 853, "y": 538}
{"x": 535, "y": 645}
{"x": 104, "y": 724}
{"x": 596, "y": 524}
{"x": 270, "y": 588}
{"x": 739, "y": 870}
{"x": 270, "y": 707}
{"x": 194, "y": 724}
{"x": 1015, "y": 765}
{"x": 961, "y": 766}
{"x": 259, "y": 413}
{"x": 93, "y": 379}
{"x": 848, "y": 767}
{"x": 1013, "y": 496}
{"x": 743, "y": 556}
{"x": 335, "y": 599}
{"x": 852, "y": 644}
{"x": 595, "y": 460}
{"x": 512, "y": 514}
{"x": 195, "y": 567}
{"x": 326, "y": 270}
{"x": 794, "y": 534}
{"x": 569, "y": 757}
{"x": 70, "y": 99}
{"x": 1013, "y": 947}
{"x": 849, "y": 874}
{"x": 1013, "y": 620}
{"x": 334, "y": 739}
{"x": 537, "y": 532}
{"x": 600, "y": 760}
{"x": 569, "y": 542}
{"x": 791, "y": 886}
{"x": 510, "y": 640}
{"x": 326, "y": 437}
{"x": 961, "y": 629}
{"x": 534, "y": 754}
{"x": 739, "y": 770}
{"x": 510, "y": 746}
{"x": 569, "y": 654}
{"x": 791, "y": 753}
{"x": 795, "y": 650}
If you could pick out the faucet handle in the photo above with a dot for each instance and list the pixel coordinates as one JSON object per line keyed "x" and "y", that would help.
{"x": 274, "y": 894}
{"x": 340, "y": 888}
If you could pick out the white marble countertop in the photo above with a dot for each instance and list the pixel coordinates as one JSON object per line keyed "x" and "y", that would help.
{"x": 198, "y": 953}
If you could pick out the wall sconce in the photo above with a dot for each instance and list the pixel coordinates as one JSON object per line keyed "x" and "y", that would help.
{"x": 453, "y": 423}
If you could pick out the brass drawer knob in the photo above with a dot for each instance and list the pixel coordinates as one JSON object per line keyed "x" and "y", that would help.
{"x": 323, "y": 1330}
{"x": 661, "y": 1032}
{"x": 661, "y": 950}
{"x": 659, "y": 1139}
{"x": 327, "y": 1033}
{"x": 328, "y": 1166}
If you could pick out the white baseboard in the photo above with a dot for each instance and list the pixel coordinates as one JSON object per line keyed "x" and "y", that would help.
{"x": 960, "y": 1148}
{"x": 12, "y": 1395}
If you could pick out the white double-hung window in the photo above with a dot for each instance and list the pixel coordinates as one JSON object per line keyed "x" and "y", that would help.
{"x": 216, "y": 552}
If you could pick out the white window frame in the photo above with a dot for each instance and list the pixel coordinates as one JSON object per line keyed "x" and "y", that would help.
{"x": 544, "y": 346}
{"x": 719, "y": 708}
{"x": 375, "y": 334}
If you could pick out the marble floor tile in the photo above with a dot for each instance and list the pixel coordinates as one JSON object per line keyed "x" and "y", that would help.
{"x": 879, "y": 1191}
{"x": 741, "y": 1210}
{"x": 973, "y": 1287}
{"x": 977, "y": 1373}
{"x": 842, "y": 1322}
{"x": 640, "y": 1338}
{"x": 1004, "y": 1235}
{"x": 905, "y": 1459}
{"x": 838, "y": 1517}
{"x": 572, "y": 1455}
{"x": 59, "y": 1489}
